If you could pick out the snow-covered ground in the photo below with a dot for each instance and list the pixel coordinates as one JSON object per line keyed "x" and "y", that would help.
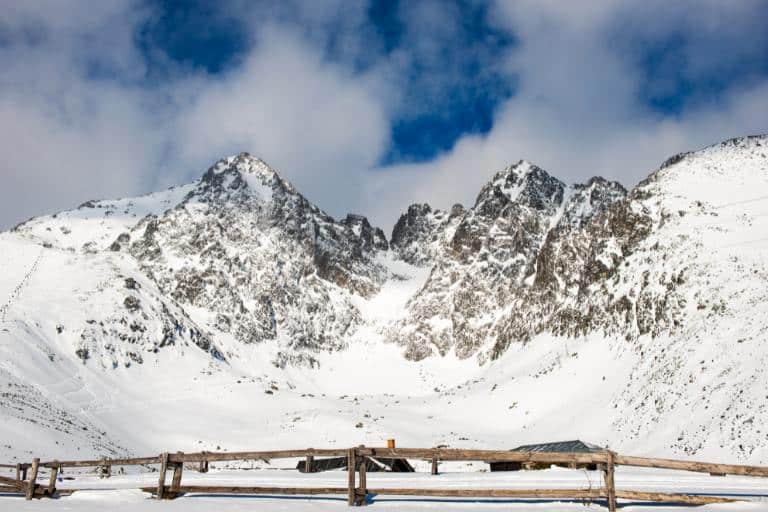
{"x": 120, "y": 492}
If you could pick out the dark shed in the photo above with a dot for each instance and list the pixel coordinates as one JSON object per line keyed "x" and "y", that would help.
{"x": 575, "y": 446}
{"x": 372, "y": 464}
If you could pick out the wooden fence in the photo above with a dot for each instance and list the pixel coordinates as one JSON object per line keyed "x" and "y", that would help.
{"x": 356, "y": 488}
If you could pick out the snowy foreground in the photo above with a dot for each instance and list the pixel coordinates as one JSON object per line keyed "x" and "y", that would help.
{"x": 122, "y": 494}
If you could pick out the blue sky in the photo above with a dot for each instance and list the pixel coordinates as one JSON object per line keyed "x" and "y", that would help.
{"x": 366, "y": 105}
{"x": 449, "y": 88}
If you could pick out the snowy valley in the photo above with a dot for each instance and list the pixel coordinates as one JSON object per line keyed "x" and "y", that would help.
{"x": 231, "y": 313}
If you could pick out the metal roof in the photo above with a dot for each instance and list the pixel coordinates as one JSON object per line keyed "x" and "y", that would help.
{"x": 560, "y": 446}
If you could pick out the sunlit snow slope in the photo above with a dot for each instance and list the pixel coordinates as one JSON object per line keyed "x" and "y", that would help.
{"x": 232, "y": 313}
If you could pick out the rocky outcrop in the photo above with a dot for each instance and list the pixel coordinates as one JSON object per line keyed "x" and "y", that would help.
{"x": 485, "y": 289}
{"x": 420, "y": 234}
{"x": 266, "y": 264}
{"x": 252, "y": 260}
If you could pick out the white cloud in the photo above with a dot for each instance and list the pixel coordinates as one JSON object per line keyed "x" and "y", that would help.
{"x": 68, "y": 134}
{"x": 78, "y": 121}
{"x": 65, "y": 137}
{"x": 577, "y": 111}
{"x": 315, "y": 122}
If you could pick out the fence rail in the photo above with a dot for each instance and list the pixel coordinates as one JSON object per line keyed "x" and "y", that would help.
{"x": 356, "y": 488}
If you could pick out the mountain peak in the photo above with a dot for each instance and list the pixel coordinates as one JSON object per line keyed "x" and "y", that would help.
{"x": 241, "y": 177}
{"x": 244, "y": 163}
{"x": 524, "y": 183}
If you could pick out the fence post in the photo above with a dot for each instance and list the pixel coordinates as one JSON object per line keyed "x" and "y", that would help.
{"x": 52, "y": 480}
{"x": 178, "y": 467}
{"x": 32, "y": 478}
{"x": 351, "y": 456}
{"x": 309, "y": 461}
{"x": 610, "y": 483}
{"x": 203, "y": 465}
{"x": 434, "y": 463}
{"x": 18, "y": 472}
{"x": 161, "y": 478}
{"x": 363, "y": 493}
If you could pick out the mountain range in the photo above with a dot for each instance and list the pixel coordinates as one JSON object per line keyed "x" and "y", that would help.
{"x": 632, "y": 318}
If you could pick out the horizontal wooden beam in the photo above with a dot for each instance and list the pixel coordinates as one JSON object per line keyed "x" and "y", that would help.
{"x": 455, "y": 454}
{"x": 496, "y": 493}
{"x": 9, "y": 481}
{"x": 251, "y": 455}
{"x": 225, "y": 489}
{"x": 443, "y": 454}
{"x": 699, "y": 467}
{"x": 135, "y": 461}
{"x": 690, "y": 499}
{"x": 440, "y": 454}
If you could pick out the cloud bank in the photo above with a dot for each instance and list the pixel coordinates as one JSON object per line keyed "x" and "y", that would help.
{"x": 91, "y": 106}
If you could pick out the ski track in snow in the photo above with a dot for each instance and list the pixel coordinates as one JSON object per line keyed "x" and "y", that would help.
{"x": 17, "y": 291}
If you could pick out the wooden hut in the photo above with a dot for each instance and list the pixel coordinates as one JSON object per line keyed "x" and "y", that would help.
{"x": 575, "y": 446}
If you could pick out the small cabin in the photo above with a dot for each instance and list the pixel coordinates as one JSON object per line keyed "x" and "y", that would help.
{"x": 575, "y": 446}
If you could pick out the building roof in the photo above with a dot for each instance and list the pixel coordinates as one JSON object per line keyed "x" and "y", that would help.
{"x": 560, "y": 446}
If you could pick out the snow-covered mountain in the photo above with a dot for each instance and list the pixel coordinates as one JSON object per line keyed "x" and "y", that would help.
{"x": 633, "y": 318}
{"x": 485, "y": 262}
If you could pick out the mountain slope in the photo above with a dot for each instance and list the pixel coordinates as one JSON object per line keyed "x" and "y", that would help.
{"x": 633, "y": 319}
{"x": 489, "y": 259}
{"x": 259, "y": 262}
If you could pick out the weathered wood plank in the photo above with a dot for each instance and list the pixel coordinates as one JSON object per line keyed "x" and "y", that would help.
{"x": 178, "y": 468}
{"x": 309, "y": 464}
{"x": 351, "y": 456}
{"x": 135, "y": 461}
{"x": 9, "y": 481}
{"x": 362, "y": 493}
{"x": 454, "y": 454}
{"x": 52, "y": 481}
{"x": 254, "y": 455}
{"x": 494, "y": 493}
{"x": 32, "y": 478}
{"x": 224, "y": 489}
{"x": 161, "y": 476}
{"x": 672, "y": 498}
{"x": 699, "y": 467}
{"x": 610, "y": 481}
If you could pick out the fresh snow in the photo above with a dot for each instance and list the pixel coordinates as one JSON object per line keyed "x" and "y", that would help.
{"x": 120, "y": 492}
{"x": 697, "y": 393}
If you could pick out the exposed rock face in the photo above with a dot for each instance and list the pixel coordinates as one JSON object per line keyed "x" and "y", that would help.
{"x": 251, "y": 260}
{"x": 268, "y": 265}
{"x": 485, "y": 289}
{"x": 420, "y": 233}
